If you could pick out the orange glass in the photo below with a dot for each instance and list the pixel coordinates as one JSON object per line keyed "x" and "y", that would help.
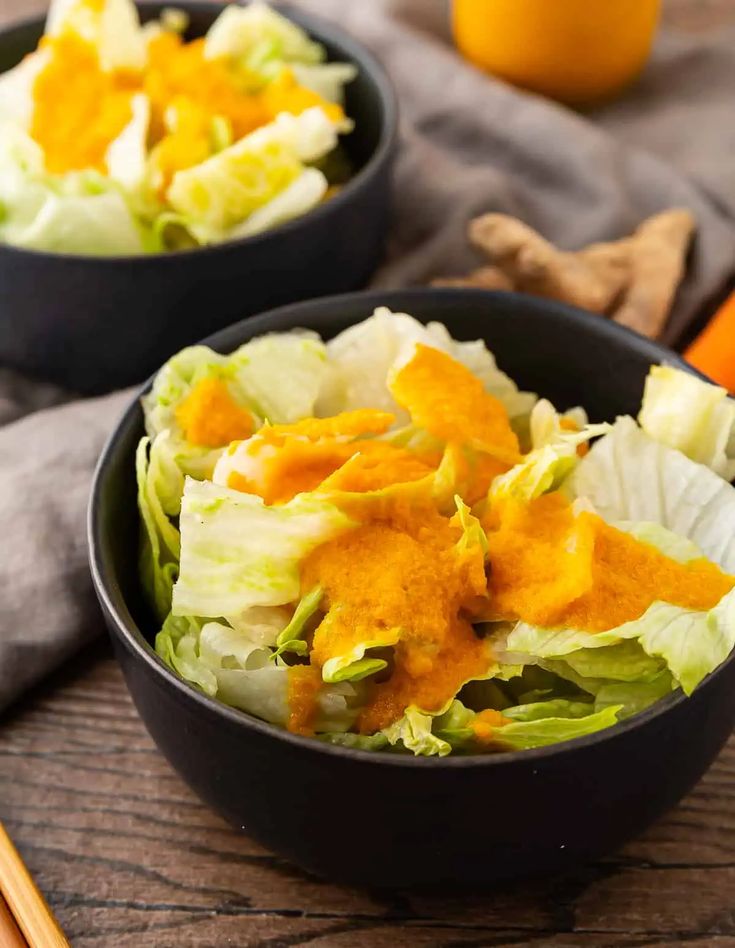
{"x": 577, "y": 51}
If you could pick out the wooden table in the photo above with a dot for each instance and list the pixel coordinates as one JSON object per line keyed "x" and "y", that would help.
{"x": 127, "y": 856}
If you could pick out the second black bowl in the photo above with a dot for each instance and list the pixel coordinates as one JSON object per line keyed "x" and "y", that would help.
{"x": 386, "y": 819}
{"x": 94, "y": 324}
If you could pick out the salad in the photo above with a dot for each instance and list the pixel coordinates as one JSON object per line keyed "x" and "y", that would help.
{"x": 381, "y": 542}
{"x": 117, "y": 138}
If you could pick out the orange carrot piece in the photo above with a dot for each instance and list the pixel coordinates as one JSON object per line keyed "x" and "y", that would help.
{"x": 713, "y": 351}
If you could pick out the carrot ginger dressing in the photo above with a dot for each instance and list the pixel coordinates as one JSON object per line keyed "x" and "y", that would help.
{"x": 451, "y": 403}
{"x": 485, "y": 724}
{"x": 78, "y": 109}
{"x": 304, "y": 685}
{"x": 402, "y": 580}
{"x": 320, "y": 453}
{"x": 553, "y": 569}
{"x": 209, "y": 416}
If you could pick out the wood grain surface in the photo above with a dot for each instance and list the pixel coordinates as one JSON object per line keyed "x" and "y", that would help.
{"x": 127, "y": 857}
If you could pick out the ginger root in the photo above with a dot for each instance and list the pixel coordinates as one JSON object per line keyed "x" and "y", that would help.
{"x": 633, "y": 280}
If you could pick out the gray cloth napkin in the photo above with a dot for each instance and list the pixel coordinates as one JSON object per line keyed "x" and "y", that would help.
{"x": 469, "y": 144}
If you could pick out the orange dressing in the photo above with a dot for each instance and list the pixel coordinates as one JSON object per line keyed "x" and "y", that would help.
{"x": 375, "y": 466}
{"x": 569, "y": 424}
{"x": 348, "y": 424}
{"x": 553, "y": 569}
{"x": 313, "y": 453}
{"x": 485, "y": 723}
{"x": 445, "y": 398}
{"x": 78, "y": 109}
{"x": 179, "y": 70}
{"x": 210, "y": 417}
{"x": 297, "y": 466}
{"x": 405, "y": 582}
{"x": 284, "y": 94}
{"x": 475, "y": 471}
{"x": 304, "y": 685}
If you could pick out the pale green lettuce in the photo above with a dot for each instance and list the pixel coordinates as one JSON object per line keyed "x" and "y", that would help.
{"x": 365, "y": 355}
{"x": 532, "y": 725}
{"x": 242, "y": 32}
{"x": 160, "y": 541}
{"x": 545, "y": 467}
{"x": 225, "y": 663}
{"x": 80, "y": 212}
{"x": 692, "y": 644}
{"x": 112, "y": 27}
{"x": 542, "y": 731}
{"x": 629, "y": 476}
{"x": 290, "y": 639}
{"x": 691, "y": 415}
{"x": 414, "y": 732}
{"x": 237, "y": 553}
{"x": 217, "y": 198}
{"x": 277, "y": 377}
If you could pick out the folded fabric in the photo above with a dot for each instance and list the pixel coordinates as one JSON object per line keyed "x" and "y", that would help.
{"x": 469, "y": 145}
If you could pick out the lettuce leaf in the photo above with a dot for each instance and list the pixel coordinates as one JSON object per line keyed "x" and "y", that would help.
{"x": 413, "y": 732}
{"x": 160, "y": 541}
{"x": 542, "y": 731}
{"x": 281, "y": 374}
{"x": 291, "y": 638}
{"x": 633, "y": 696}
{"x": 544, "y": 468}
{"x": 693, "y": 416}
{"x": 237, "y": 553}
{"x": 675, "y": 547}
{"x": 364, "y": 356}
{"x": 555, "y": 708}
{"x": 218, "y": 198}
{"x": 78, "y": 213}
{"x": 241, "y": 32}
{"x": 277, "y": 376}
{"x": 16, "y": 90}
{"x": 126, "y": 156}
{"x": 629, "y": 476}
{"x": 328, "y": 80}
{"x": 532, "y": 725}
{"x": 111, "y": 26}
{"x": 547, "y": 425}
{"x": 261, "y": 625}
{"x": 295, "y": 200}
{"x": 367, "y": 742}
{"x": 692, "y": 644}
{"x": 224, "y": 663}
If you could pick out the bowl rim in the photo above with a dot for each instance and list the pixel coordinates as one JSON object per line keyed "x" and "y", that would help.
{"x": 134, "y": 640}
{"x": 323, "y": 31}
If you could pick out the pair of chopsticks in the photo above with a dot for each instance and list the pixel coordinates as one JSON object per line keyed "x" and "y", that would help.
{"x": 26, "y": 921}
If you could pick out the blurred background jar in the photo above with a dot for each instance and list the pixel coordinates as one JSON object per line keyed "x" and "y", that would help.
{"x": 579, "y": 52}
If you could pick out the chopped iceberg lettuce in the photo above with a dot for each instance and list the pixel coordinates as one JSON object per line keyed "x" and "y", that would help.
{"x": 693, "y": 416}
{"x": 218, "y": 197}
{"x": 629, "y": 476}
{"x": 237, "y": 553}
{"x": 365, "y": 355}
{"x": 243, "y": 32}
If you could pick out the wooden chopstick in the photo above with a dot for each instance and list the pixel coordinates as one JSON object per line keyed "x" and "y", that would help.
{"x": 10, "y": 936}
{"x": 27, "y": 906}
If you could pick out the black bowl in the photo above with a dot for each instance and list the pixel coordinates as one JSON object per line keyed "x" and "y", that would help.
{"x": 94, "y": 324}
{"x": 394, "y": 820}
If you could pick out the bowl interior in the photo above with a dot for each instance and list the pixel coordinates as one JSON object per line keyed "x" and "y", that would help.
{"x": 566, "y": 355}
{"x": 363, "y": 103}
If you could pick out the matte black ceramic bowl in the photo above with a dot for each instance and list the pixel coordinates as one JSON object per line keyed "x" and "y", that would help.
{"x": 395, "y": 820}
{"x": 97, "y": 323}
